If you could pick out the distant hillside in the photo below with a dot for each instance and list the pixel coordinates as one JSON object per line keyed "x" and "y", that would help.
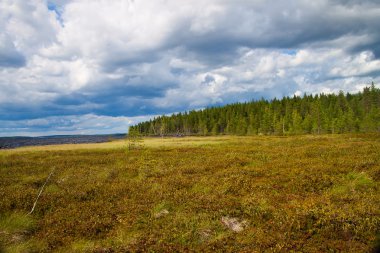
{"x": 20, "y": 141}
{"x": 332, "y": 113}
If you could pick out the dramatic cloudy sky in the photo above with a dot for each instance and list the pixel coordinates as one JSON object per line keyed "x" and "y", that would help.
{"x": 97, "y": 66}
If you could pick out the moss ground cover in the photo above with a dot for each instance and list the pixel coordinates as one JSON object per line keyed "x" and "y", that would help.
{"x": 296, "y": 193}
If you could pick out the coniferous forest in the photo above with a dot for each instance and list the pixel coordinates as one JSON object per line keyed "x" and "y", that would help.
{"x": 310, "y": 114}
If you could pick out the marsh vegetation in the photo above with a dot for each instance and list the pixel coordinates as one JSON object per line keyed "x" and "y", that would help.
{"x": 312, "y": 193}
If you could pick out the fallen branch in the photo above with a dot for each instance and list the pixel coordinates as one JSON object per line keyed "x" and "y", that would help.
{"x": 42, "y": 188}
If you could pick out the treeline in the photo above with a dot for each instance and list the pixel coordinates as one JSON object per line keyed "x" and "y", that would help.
{"x": 324, "y": 113}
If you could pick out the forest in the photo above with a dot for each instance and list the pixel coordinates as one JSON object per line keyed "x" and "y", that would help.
{"x": 309, "y": 114}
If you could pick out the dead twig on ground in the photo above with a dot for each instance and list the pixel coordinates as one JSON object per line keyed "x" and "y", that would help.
{"x": 42, "y": 188}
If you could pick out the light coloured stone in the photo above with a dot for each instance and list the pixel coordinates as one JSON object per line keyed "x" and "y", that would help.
{"x": 161, "y": 213}
{"x": 234, "y": 224}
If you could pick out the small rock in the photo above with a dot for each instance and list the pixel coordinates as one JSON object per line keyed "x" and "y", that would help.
{"x": 234, "y": 224}
{"x": 161, "y": 213}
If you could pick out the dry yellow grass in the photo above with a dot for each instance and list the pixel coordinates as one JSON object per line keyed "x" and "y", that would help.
{"x": 147, "y": 142}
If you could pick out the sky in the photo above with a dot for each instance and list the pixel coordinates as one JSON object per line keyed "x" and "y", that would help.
{"x": 97, "y": 66}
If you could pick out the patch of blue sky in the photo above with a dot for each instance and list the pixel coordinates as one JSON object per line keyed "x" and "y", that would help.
{"x": 289, "y": 51}
{"x": 57, "y": 10}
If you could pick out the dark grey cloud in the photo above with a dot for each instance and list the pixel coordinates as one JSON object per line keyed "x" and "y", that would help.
{"x": 352, "y": 3}
{"x": 290, "y": 24}
{"x": 372, "y": 44}
{"x": 12, "y": 59}
{"x": 9, "y": 55}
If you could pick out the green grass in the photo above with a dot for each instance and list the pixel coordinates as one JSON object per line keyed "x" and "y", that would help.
{"x": 297, "y": 193}
{"x": 15, "y": 222}
{"x": 14, "y": 228}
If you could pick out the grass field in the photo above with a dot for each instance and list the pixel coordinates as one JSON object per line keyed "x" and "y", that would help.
{"x": 297, "y": 193}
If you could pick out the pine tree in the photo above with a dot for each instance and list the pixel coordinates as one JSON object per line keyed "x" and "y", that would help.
{"x": 310, "y": 114}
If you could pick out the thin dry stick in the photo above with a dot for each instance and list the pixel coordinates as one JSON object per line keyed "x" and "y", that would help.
{"x": 42, "y": 188}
